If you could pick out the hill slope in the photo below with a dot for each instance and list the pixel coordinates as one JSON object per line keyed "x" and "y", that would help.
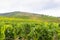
{"x": 26, "y": 15}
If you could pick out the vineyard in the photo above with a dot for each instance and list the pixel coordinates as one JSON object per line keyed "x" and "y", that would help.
{"x": 28, "y": 29}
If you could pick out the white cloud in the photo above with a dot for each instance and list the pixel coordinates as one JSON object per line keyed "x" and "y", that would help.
{"x": 51, "y": 12}
{"x": 48, "y": 7}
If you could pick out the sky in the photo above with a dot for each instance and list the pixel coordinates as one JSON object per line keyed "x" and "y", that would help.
{"x": 46, "y": 7}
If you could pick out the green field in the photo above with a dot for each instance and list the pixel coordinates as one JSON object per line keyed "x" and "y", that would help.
{"x": 25, "y": 26}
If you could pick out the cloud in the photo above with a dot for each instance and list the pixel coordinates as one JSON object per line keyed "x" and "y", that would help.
{"x": 48, "y": 7}
{"x": 7, "y": 5}
{"x": 51, "y": 12}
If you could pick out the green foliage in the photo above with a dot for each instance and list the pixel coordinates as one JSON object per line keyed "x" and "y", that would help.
{"x": 16, "y": 30}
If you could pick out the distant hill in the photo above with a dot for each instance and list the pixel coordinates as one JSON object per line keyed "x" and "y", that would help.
{"x": 26, "y": 15}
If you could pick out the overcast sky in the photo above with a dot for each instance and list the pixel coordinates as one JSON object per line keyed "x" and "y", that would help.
{"x": 47, "y": 7}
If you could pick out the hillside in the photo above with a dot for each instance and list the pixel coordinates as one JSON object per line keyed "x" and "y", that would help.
{"x": 29, "y": 26}
{"x": 26, "y": 15}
